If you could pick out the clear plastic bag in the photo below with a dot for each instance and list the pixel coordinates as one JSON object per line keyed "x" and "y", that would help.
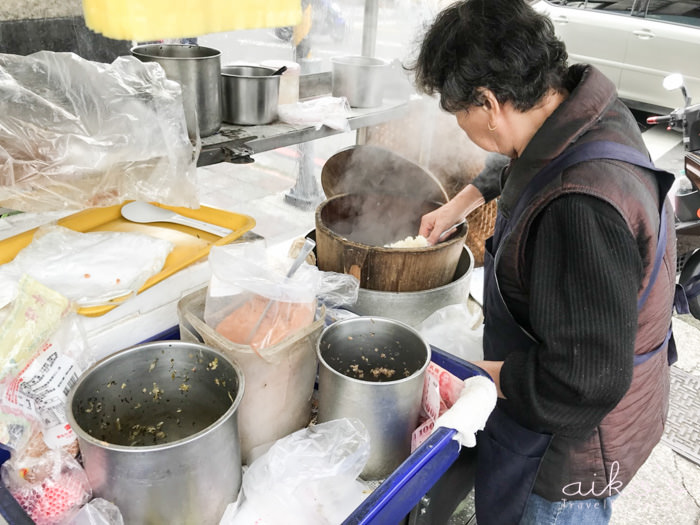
{"x": 56, "y": 495}
{"x": 307, "y": 478}
{"x": 250, "y": 299}
{"x": 76, "y": 134}
{"x": 323, "y": 111}
{"x": 90, "y": 268}
{"x": 457, "y": 330}
{"x": 44, "y": 351}
{"x": 98, "y": 512}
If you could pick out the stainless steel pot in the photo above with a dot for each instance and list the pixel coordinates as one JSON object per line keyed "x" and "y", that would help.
{"x": 198, "y": 70}
{"x": 360, "y": 79}
{"x": 372, "y": 369}
{"x": 158, "y": 431}
{"x": 250, "y": 94}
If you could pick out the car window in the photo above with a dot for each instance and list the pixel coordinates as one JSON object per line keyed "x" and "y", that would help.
{"x": 686, "y": 12}
{"x": 617, "y": 7}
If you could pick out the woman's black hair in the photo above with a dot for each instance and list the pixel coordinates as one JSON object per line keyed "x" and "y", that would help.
{"x": 502, "y": 45}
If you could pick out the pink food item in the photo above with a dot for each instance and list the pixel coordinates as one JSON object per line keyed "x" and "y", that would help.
{"x": 56, "y": 498}
{"x": 281, "y": 320}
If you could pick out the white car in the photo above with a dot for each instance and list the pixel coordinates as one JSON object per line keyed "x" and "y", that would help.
{"x": 636, "y": 43}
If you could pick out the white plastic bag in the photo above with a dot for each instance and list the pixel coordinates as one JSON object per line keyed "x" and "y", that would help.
{"x": 76, "y": 133}
{"x": 98, "y": 512}
{"x": 306, "y": 478}
{"x": 245, "y": 279}
{"x": 323, "y": 111}
{"x": 89, "y": 268}
{"x": 456, "y": 330}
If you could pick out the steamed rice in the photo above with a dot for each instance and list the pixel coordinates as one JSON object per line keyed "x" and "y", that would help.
{"x": 409, "y": 242}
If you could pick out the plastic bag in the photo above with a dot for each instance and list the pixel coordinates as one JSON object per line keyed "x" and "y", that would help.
{"x": 88, "y": 268}
{"x": 44, "y": 351}
{"x": 244, "y": 281}
{"x": 56, "y": 496}
{"x": 98, "y": 512}
{"x": 76, "y": 133}
{"x": 323, "y": 111}
{"x": 309, "y": 477}
{"x": 456, "y": 330}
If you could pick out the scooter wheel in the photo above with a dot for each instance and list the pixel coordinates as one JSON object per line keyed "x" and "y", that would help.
{"x": 691, "y": 271}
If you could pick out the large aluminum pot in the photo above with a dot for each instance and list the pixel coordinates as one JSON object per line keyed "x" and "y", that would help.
{"x": 198, "y": 70}
{"x": 250, "y": 94}
{"x": 372, "y": 369}
{"x": 360, "y": 79}
{"x": 353, "y": 229}
{"x": 158, "y": 433}
{"x": 413, "y": 308}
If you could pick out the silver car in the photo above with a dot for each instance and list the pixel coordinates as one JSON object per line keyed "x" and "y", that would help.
{"x": 636, "y": 43}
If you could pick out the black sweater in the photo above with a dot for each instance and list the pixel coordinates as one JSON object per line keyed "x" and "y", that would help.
{"x": 583, "y": 364}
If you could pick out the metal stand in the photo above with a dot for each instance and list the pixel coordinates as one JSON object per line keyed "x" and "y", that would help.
{"x": 306, "y": 193}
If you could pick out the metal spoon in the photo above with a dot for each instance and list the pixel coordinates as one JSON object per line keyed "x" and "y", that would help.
{"x": 143, "y": 212}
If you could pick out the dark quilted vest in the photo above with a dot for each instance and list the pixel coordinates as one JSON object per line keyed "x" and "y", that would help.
{"x": 603, "y": 464}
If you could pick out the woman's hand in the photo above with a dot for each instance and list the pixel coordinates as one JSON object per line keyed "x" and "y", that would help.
{"x": 437, "y": 221}
{"x": 493, "y": 369}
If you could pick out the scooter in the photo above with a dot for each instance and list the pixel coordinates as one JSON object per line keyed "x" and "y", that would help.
{"x": 326, "y": 19}
{"x": 685, "y": 194}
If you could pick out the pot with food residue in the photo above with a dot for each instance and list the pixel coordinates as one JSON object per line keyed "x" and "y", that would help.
{"x": 372, "y": 369}
{"x": 158, "y": 432}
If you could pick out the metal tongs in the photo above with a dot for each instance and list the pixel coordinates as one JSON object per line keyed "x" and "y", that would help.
{"x": 309, "y": 245}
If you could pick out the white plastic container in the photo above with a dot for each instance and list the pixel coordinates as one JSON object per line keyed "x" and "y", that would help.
{"x": 289, "y": 82}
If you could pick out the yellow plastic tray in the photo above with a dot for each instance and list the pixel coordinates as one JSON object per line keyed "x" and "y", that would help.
{"x": 190, "y": 244}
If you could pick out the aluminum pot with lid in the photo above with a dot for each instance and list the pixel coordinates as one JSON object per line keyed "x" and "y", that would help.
{"x": 198, "y": 70}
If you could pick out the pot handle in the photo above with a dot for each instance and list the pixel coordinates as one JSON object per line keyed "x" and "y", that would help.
{"x": 354, "y": 261}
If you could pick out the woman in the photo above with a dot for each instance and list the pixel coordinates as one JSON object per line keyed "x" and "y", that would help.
{"x": 579, "y": 275}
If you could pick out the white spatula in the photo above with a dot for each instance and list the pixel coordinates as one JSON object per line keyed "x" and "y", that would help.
{"x": 143, "y": 212}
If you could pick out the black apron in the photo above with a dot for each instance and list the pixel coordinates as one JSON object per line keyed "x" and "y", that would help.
{"x": 509, "y": 455}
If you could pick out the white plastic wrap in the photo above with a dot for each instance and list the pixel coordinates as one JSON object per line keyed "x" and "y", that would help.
{"x": 76, "y": 134}
{"x": 323, "y": 111}
{"x": 307, "y": 478}
{"x": 89, "y": 268}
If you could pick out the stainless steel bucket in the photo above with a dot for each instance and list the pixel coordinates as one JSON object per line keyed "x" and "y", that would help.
{"x": 250, "y": 94}
{"x": 360, "y": 79}
{"x": 372, "y": 369}
{"x": 158, "y": 432}
{"x": 198, "y": 70}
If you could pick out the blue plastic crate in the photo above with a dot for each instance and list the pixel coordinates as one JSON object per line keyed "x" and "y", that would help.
{"x": 399, "y": 493}
{"x": 392, "y": 500}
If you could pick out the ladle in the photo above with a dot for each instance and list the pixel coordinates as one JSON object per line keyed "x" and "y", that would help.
{"x": 144, "y": 212}
{"x": 280, "y": 71}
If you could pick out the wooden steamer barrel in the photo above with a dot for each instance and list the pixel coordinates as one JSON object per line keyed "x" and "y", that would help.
{"x": 352, "y": 229}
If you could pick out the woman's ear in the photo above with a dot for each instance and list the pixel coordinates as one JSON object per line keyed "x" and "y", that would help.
{"x": 489, "y": 99}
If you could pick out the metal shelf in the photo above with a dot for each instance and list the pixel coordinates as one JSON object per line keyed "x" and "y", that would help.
{"x": 237, "y": 143}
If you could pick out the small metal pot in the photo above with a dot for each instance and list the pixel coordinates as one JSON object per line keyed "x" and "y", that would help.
{"x": 158, "y": 432}
{"x": 198, "y": 70}
{"x": 250, "y": 94}
{"x": 372, "y": 369}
